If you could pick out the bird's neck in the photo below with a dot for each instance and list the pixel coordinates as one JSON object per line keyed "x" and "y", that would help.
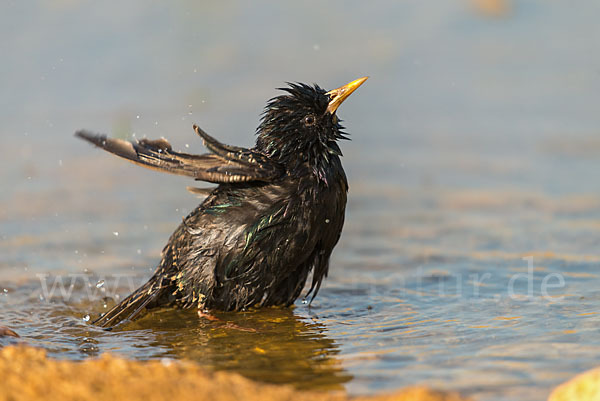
{"x": 321, "y": 160}
{"x": 322, "y": 169}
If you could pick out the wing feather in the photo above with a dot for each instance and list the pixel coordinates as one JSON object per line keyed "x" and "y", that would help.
{"x": 226, "y": 164}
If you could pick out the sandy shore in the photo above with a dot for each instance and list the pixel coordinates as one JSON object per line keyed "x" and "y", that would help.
{"x": 27, "y": 374}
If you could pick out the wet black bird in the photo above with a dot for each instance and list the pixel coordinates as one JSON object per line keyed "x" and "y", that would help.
{"x": 274, "y": 218}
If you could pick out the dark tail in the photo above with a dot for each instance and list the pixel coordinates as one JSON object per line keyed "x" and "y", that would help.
{"x": 128, "y": 309}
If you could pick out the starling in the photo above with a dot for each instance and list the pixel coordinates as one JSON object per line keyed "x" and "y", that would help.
{"x": 274, "y": 218}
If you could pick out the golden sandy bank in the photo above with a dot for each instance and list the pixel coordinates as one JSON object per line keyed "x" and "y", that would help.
{"x": 26, "y": 374}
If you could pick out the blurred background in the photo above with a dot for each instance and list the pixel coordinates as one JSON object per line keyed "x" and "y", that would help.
{"x": 475, "y": 143}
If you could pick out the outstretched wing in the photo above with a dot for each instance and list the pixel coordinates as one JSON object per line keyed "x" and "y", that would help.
{"x": 226, "y": 164}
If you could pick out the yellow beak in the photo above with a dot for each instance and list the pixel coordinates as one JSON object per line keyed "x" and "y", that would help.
{"x": 340, "y": 94}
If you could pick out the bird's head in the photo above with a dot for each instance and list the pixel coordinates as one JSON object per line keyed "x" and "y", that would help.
{"x": 300, "y": 127}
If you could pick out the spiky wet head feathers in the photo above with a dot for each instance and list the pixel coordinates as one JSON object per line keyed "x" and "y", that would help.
{"x": 296, "y": 128}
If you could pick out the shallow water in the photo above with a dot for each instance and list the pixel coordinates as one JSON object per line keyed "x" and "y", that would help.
{"x": 470, "y": 255}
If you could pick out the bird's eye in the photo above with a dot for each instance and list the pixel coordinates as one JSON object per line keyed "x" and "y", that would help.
{"x": 309, "y": 120}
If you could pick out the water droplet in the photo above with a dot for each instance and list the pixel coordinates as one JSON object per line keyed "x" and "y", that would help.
{"x": 100, "y": 284}
{"x": 89, "y": 348}
{"x": 116, "y": 233}
{"x": 86, "y": 318}
{"x": 326, "y": 221}
{"x": 187, "y": 145}
{"x": 138, "y": 116}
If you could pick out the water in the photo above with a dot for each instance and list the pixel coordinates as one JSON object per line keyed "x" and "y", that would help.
{"x": 469, "y": 259}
